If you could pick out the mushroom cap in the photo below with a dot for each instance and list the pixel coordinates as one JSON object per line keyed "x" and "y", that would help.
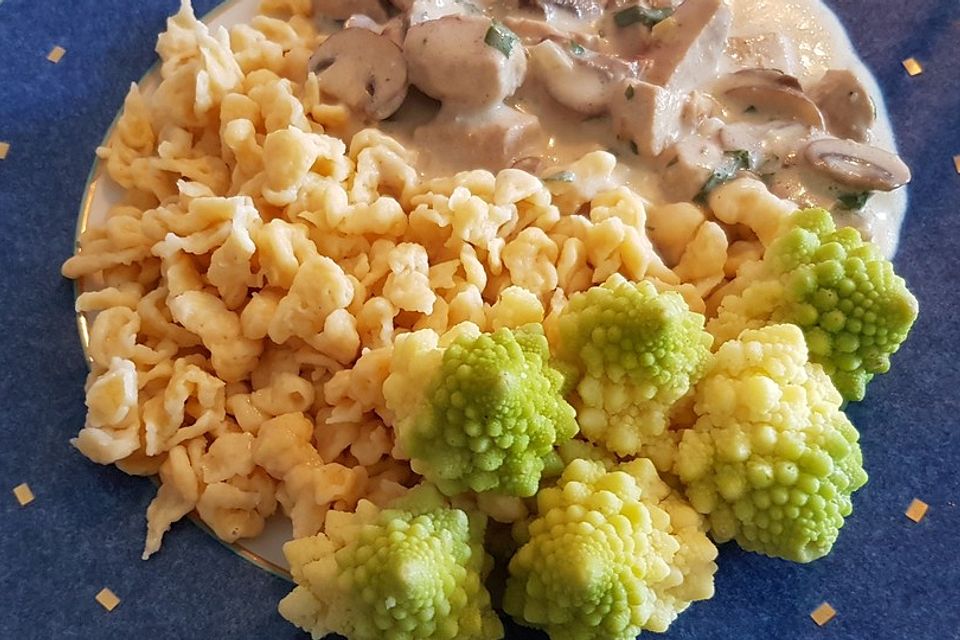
{"x": 857, "y": 165}
{"x": 364, "y": 70}
{"x": 584, "y": 83}
{"x": 772, "y": 91}
{"x": 450, "y": 60}
{"x": 343, "y": 9}
{"x": 845, "y": 104}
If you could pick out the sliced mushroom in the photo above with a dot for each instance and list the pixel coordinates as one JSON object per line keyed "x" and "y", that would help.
{"x": 688, "y": 45}
{"x": 763, "y": 51}
{"x": 584, "y": 82}
{"x": 343, "y": 9}
{"x": 463, "y": 60}
{"x": 857, "y": 165}
{"x": 773, "y": 92}
{"x": 393, "y": 28}
{"x": 647, "y": 115}
{"x": 845, "y": 104}
{"x": 362, "y": 69}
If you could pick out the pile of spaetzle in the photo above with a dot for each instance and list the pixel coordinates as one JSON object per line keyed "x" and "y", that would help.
{"x": 246, "y": 294}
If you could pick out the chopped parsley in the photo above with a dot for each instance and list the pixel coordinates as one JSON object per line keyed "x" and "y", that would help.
{"x": 501, "y": 38}
{"x": 576, "y": 48}
{"x": 853, "y": 201}
{"x": 561, "y": 176}
{"x": 733, "y": 162}
{"x": 643, "y": 15}
{"x": 629, "y": 92}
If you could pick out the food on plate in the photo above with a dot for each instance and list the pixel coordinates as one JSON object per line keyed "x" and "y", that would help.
{"x": 481, "y": 413}
{"x": 771, "y": 460}
{"x": 608, "y": 555}
{"x": 583, "y": 286}
{"x": 853, "y": 309}
{"x": 636, "y": 353}
{"x": 415, "y": 570}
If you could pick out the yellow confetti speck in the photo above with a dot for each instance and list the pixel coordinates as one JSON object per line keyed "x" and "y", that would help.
{"x": 56, "y": 54}
{"x": 912, "y": 66}
{"x": 823, "y": 614}
{"x": 108, "y": 599}
{"x": 4, "y": 149}
{"x": 23, "y": 493}
{"x": 917, "y": 509}
{"x": 956, "y": 160}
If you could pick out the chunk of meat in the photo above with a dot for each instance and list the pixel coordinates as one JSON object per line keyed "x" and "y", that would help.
{"x": 647, "y": 115}
{"x": 845, "y": 104}
{"x": 688, "y": 45}
{"x": 763, "y": 51}
{"x": 343, "y": 9}
{"x": 419, "y": 11}
{"x": 584, "y": 82}
{"x": 692, "y": 162}
{"x": 491, "y": 139}
{"x": 465, "y": 61}
{"x": 364, "y": 70}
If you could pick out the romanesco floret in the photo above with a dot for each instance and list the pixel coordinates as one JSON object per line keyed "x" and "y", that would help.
{"x": 638, "y": 351}
{"x": 611, "y": 553}
{"x": 483, "y": 416}
{"x": 853, "y": 309}
{"x": 771, "y": 460}
{"x": 411, "y": 572}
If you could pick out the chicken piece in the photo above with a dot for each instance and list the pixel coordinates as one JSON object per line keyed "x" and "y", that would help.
{"x": 465, "y": 61}
{"x": 492, "y": 139}
{"x": 694, "y": 160}
{"x": 763, "y": 51}
{"x": 687, "y": 46}
{"x": 647, "y": 115}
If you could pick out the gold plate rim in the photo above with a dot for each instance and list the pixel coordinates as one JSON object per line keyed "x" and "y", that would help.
{"x": 83, "y": 327}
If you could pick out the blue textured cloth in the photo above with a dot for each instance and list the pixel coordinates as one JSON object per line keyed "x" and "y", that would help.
{"x": 887, "y": 577}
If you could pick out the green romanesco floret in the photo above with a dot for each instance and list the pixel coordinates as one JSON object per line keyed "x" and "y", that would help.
{"x": 638, "y": 351}
{"x": 411, "y": 572}
{"x": 482, "y": 413}
{"x": 853, "y": 309}
{"x": 611, "y": 553}
{"x": 771, "y": 460}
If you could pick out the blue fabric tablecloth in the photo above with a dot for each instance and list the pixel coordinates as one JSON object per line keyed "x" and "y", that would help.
{"x": 887, "y": 578}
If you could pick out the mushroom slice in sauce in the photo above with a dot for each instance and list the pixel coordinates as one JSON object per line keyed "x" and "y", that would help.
{"x": 857, "y": 165}
{"x": 465, "y": 60}
{"x": 772, "y": 92}
{"x": 647, "y": 115}
{"x": 364, "y": 70}
{"x": 688, "y": 46}
{"x": 392, "y": 28}
{"x": 584, "y": 82}
{"x": 845, "y": 104}
{"x": 343, "y": 9}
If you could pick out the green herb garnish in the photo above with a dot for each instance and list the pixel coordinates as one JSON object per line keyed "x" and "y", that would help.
{"x": 733, "y": 161}
{"x": 643, "y": 15}
{"x": 853, "y": 201}
{"x": 501, "y": 38}
{"x": 577, "y": 48}
{"x": 561, "y": 176}
{"x": 629, "y": 92}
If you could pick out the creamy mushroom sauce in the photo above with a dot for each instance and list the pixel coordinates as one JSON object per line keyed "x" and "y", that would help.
{"x": 676, "y": 124}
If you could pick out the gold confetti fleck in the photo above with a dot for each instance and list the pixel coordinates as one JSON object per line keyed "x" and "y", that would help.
{"x": 823, "y": 614}
{"x": 917, "y": 509}
{"x": 956, "y": 160}
{"x": 56, "y": 54}
{"x": 23, "y": 493}
{"x": 912, "y": 66}
{"x": 4, "y": 150}
{"x": 108, "y": 599}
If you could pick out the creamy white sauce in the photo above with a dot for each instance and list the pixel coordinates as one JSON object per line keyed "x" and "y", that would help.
{"x": 820, "y": 43}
